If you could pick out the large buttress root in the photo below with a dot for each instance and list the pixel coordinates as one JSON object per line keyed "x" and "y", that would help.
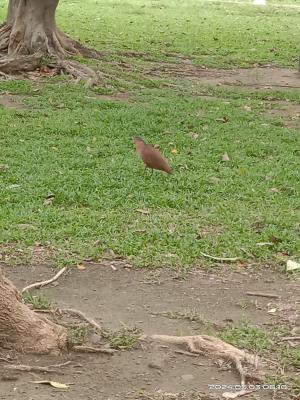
{"x": 22, "y": 330}
{"x": 30, "y": 34}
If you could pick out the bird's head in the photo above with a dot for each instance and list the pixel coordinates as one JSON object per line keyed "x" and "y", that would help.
{"x": 137, "y": 139}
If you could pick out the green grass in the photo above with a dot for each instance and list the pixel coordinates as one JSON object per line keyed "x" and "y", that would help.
{"x": 214, "y": 33}
{"x": 267, "y": 344}
{"x": 38, "y": 302}
{"x": 125, "y": 338}
{"x": 77, "y": 335}
{"x": 77, "y": 147}
{"x": 244, "y": 336}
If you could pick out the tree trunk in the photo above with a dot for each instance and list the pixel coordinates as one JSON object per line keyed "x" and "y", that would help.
{"x": 22, "y": 329}
{"x": 30, "y": 34}
{"x": 30, "y": 28}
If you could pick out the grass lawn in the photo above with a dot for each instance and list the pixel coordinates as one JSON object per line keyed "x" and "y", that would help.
{"x": 71, "y": 143}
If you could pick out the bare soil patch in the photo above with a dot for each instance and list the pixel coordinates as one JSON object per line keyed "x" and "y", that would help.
{"x": 257, "y": 78}
{"x": 115, "y": 97}
{"x": 288, "y": 112}
{"x": 155, "y": 301}
{"x": 9, "y": 100}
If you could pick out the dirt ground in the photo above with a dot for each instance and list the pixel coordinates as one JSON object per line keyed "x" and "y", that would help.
{"x": 161, "y": 301}
{"x": 267, "y": 77}
{"x": 257, "y": 78}
{"x": 155, "y": 301}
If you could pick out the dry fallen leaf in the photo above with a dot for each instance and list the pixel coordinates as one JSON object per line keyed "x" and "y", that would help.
{"x": 225, "y": 157}
{"x": 292, "y": 266}
{"x": 274, "y": 190}
{"x": 247, "y": 108}
{"x": 54, "y": 384}
{"x": 143, "y": 211}
{"x": 261, "y": 244}
{"x": 26, "y": 226}
{"x": 222, "y": 119}
{"x": 275, "y": 239}
{"x": 215, "y": 179}
{"x": 13, "y": 186}
{"x": 81, "y": 267}
{"x": 48, "y": 200}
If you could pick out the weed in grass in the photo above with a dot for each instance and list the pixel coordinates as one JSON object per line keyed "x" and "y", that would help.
{"x": 244, "y": 336}
{"x": 124, "y": 338}
{"x": 77, "y": 335}
{"x": 38, "y": 302}
{"x": 291, "y": 356}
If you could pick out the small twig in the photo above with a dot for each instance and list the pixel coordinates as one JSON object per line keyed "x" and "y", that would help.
{"x": 33, "y": 368}
{"x": 60, "y": 365}
{"x": 186, "y": 353}
{"x": 229, "y": 259}
{"x": 88, "y": 349}
{"x": 287, "y": 338}
{"x": 199, "y": 364}
{"x": 5, "y": 360}
{"x": 83, "y": 316}
{"x": 270, "y": 296}
{"x": 44, "y": 283}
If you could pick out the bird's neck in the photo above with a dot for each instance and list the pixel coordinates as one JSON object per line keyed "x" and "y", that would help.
{"x": 139, "y": 146}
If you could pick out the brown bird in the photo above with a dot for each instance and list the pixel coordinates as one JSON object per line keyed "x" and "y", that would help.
{"x": 151, "y": 156}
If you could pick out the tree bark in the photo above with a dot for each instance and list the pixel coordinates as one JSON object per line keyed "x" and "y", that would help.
{"x": 29, "y": 35}
{"x": 22, "y": 329}
{"x": 30, "y": 28}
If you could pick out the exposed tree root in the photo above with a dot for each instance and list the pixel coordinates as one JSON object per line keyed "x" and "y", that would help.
{"x": 72, "y": 311}
{"x": 79, "y": 71}
{"x": 14, "y": 65}
{"x": 11, "y": 66}
{"x": 214, "y": 347}
{"x": 89, "y": 349}
{"x": 83, "y": 316}
{"x": 23, "y": 330}
{"x": 22, "y": 53}
{"x": 34, "y": 368}
{"x": 44, "y": 283}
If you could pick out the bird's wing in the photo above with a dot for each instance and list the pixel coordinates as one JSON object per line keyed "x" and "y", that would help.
{"x": 153, "y": 158}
